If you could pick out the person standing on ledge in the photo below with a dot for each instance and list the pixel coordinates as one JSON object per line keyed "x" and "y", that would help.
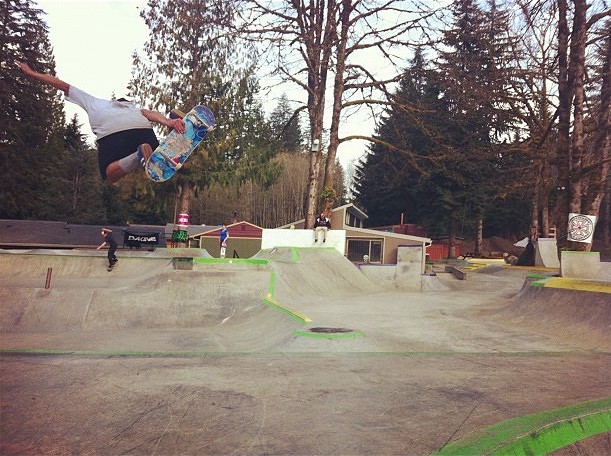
{"x": 124, "y": 133}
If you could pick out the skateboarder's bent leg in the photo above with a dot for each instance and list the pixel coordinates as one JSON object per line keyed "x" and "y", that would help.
{"x": 117, "y": 169}
{"x": 118, "y": 154}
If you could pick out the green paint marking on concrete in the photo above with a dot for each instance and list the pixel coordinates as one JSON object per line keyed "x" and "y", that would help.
{"x": 293, "y": 315}
{"x": 271, "y": 290}
{"x": 336, "y": 335}
{"x": 537, "y": 276}
{"x": 568, "y": 283}
{"x": 270, "y": 301}
{"x": 538, "y": 283}
{"x": 579, "y": 252}
{"x": 295, "y": 256}
{"x": 204, "y": 353}
{"x": 539, "y": 433}
{"x": 294, "y": 253}
{"x": 252, "y": 261}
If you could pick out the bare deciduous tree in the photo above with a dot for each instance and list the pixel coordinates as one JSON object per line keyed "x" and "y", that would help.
{"x": 577, "y": 164}
{"x": 356, "y": 40}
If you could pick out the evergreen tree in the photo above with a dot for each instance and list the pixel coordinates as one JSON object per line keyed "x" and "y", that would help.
{"x": 284, "y": 122}
{"x": 84, "y": 184}
{"x": 473, "y": 77}
{"x": 389, "y": 181}
{"x": 436, "y": 158}
{"x": 189, "y": 61}
{"x": 31, "y": 115}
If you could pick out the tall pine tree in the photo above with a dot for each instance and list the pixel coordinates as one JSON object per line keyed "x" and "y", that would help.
{"x": 31, "y": 114}
{"x": 284, "y": 122}
{"x": 189, "y": 61}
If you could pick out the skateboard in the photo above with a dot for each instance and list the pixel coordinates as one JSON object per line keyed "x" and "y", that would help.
{"x": 177, "y": 147}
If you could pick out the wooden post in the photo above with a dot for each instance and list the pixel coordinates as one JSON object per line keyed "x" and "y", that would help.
{"x": 48, "y": 280}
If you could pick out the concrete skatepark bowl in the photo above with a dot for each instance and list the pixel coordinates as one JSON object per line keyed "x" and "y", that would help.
{"x": 296, "y": 352}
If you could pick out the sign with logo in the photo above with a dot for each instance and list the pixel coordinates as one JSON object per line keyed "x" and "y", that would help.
{"x": 180, "y": 236}
{"x": 183, "y": 220}
{"x": 131, "y": 239}
{"x": 581, "y": 228}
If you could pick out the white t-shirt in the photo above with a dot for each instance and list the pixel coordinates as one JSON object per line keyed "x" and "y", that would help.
{"x": 108, "y": 116}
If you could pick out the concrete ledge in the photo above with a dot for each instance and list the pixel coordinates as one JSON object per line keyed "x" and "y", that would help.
{"x": 458, "y": 273}
{"x": 182, "y": 263}
{"x": 302, "y": 238}
{"x": 580, "y": 265}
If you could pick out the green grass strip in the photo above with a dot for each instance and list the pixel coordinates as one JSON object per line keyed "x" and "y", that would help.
{"x": 539, "y": 433}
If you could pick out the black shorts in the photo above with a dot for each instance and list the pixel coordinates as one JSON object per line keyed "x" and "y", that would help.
{"x": 121, "y": 144}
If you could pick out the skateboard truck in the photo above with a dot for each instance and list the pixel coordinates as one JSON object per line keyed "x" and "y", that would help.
{"x": 170, "y": 161}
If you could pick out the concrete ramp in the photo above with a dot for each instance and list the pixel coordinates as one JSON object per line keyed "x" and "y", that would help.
{"x": 220, "y": 304}
{"x": 82, "y": 269}
{"x": 317, "y": 273}
{"x": 550, "y": 304}
{"x": 546, "y": 253}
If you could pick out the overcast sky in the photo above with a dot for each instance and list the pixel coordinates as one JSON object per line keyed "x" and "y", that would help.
{"x": 93, "y": 43}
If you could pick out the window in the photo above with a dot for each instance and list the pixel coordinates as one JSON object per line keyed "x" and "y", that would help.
{"x": 358, "y": 248}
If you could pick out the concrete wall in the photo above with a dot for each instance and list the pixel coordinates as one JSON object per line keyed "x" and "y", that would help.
{"x": 383, "y": 274}
{"x": 406, "y": 274}
{"x": 409, "y": 266}
{"x": 580, "y": 265}
{"x": 302, "y": 238}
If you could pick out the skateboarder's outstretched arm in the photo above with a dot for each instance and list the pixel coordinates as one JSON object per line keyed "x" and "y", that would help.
{"x": 154, "y": 116}
{"x": 44, "y": 78}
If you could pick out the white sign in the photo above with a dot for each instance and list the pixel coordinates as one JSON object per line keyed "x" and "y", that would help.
{"x": 581, "y": 228}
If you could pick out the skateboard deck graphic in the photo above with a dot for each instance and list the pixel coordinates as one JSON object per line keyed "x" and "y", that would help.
{"x": 176, "y": 148}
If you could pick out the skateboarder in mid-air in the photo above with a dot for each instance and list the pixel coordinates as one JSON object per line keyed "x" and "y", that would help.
{"x": 124, "y": 133}
{"x": 112, "y": 247}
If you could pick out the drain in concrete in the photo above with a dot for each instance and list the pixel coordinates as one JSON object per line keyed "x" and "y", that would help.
{"x": 330, "y": 330}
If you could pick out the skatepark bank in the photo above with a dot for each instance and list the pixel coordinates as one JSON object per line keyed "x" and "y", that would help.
{"x": 205, "y": 356}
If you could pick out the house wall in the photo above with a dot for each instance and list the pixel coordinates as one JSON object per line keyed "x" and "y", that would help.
{"x": 337, "y": 219}
{"x": 389, "y": 244}
{"x": 242, "y": 247}
{"x": 244, "y": 240}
